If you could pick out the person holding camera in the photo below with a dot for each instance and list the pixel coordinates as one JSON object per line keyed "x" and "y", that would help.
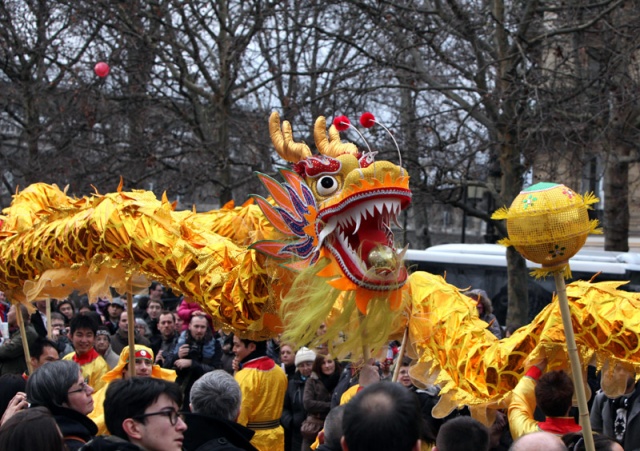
{"x": 197, "y": 352}
{"x": 60, "y": 334}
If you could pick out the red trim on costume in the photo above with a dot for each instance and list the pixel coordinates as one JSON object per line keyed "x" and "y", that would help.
{"x": 261, "y": 363}
{"x": 534, "y": 373}
{"x": 559, "y": 425}
{"x": 87, "y": 358}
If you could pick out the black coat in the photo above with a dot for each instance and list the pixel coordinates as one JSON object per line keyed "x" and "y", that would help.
{"x": 110, "y": 443}
{"x": 205, "y": 433}
{"x": 293, "y": 413}
{"x": 77, "y": 429}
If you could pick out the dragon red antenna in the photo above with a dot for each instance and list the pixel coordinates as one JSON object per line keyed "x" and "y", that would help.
{"x": 342, "y": 123}
{"x": 368, "y": 120}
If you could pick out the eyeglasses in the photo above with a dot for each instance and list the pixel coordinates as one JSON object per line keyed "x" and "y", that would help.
{"x": 172, "y": 414}
{"x": 84, "y": 387}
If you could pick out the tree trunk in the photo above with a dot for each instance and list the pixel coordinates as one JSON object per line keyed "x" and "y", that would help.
{"x": 616, "y": 206}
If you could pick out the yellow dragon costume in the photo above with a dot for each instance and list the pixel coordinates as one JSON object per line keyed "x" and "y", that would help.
{"x": 320, "y": 248}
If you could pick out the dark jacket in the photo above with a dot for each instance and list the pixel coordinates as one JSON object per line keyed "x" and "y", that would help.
{"x": 77, "y": 429}
{"x": 603, "y": 418}
{"x": 205, "y": 433}
{"x": 347, "y": 380}
{"x": 205, "y": 355}
{"x": 110, "y": 443}
{"x": 118, "y": 343}
{"x": 317, "y": 399}
{"x": 12, "y": 353}
{"x": 293, "y": 413}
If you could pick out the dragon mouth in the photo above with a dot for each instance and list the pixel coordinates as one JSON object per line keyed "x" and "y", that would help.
{"x": 358, "y": 234}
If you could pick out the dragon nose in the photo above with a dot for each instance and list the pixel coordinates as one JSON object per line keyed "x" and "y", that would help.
{"x": 378, "y": 170}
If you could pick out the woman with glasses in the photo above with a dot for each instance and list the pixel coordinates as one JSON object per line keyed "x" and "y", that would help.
{"x": 60, "y": 387}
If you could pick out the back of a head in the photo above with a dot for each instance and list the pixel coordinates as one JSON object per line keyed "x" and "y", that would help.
{"x": 31, "y": 429}
{"x": 575, "y": 442}
{"x": 129, "y": 398}
{"x": 537, "y": 441}
{"x": 554, "y": 393}
{"x": 333, "y": 427}
{"x": 382, "y": 417}
{"x": 10, "y": 384}
{"x": 462, "y": 434}
{"x": 49, "y": 385}
{"x": 216, "y": 394}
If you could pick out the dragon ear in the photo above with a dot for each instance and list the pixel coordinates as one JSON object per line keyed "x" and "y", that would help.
{"x": 332, "y": 146}
{"x": 282, "y": 138}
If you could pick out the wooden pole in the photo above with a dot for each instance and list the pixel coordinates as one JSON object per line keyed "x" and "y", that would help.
{"x": 131, "y": 324}
{"x": 574, "y": 358}
{"x": 48, "y": 316}
{"x": 396, "y": 370}
{"x": 23, "y": 334}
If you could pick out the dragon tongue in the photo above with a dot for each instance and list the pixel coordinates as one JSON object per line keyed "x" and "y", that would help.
{"x": 372, "y": 240}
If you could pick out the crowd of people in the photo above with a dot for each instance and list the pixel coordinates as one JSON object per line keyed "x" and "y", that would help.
{"x": 197, "y": 388}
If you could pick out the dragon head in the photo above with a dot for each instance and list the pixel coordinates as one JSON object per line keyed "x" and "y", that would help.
{"x": 341, "y": 206}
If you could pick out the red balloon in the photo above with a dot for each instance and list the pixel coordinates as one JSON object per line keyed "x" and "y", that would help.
{"x": 101, "y": 69}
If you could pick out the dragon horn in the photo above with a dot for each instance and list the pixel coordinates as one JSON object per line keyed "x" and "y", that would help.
{"x": 333, "y": 146}
{"x": 282, "y": 139}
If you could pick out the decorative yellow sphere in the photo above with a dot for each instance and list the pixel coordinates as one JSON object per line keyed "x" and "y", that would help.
{"x": 548, "y": 223}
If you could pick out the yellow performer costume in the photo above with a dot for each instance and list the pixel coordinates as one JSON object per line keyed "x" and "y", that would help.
{"x": 120, "y": 371}
{"x": 263, "y": 385}
{"x": 319, "y": 249}
{"x": 93, "y": 367}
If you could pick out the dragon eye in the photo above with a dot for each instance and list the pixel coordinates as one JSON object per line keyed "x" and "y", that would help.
{"x": 327, "y": 185}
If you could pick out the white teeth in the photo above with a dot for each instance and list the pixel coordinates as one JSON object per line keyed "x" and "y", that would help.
{"x": 358, "y": 219}
{"x": 350, "y": 225}
{"x": 395, "y": 221}
{"x": 328, "y": 228}
{"x": 371, "y": 209}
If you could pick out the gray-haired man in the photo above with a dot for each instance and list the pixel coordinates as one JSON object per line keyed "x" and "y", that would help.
{"x": 215, "y": 406}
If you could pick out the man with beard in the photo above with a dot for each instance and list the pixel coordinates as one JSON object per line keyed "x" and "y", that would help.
{"x": 197, "y": 352}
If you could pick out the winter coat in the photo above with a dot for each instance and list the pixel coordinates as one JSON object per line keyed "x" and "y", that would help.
{"x": 293, "y": 413}
{"x": 602, "y": 420}
{"x": 317, "y": 399}
{"x": 205, "y": 433}
{"x": 110, "y": 443}
{"x": 77, "y": 429}
{"x": 12, "y": 353}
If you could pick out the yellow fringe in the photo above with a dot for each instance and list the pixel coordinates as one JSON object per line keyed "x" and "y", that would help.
{"x": 589, "y": 198}
{"x": 501, "y": 213}
{"x": 311, "y": 302}
{"x": 542, "y": 273}
{"x": 593, "y": 227}
{"x": 505, "y": 242}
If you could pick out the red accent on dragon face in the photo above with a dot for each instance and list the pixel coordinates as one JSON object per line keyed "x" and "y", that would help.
{"x": 317, "y": 164}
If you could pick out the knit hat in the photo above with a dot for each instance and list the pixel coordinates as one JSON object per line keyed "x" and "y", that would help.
{"x": 305, "y": 355}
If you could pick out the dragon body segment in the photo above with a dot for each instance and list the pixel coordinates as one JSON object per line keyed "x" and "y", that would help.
{"x": 319, "y": 248}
